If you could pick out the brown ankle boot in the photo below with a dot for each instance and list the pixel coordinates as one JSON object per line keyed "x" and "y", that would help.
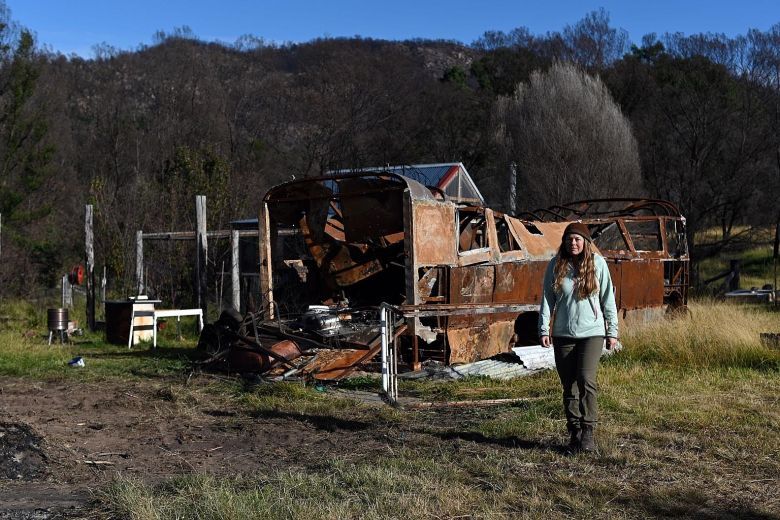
{"x": 587, "y": 439}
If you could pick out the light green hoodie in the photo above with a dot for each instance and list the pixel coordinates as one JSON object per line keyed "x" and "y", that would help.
{"x": 574, "y": 318}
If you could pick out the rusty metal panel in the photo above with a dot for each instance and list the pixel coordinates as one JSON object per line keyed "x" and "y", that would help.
{"x": 465, "y": 343}
{"x": 478, "y": 337}
{"x": 427, "y": 281}
{"x": 519, "y": 282}
{"x": 335, "y": 229}
{"x": 540, "y": 246}
{"x": 333, "y": 364}
{"x": 478, "y": 256}
{"x": 495, "y": 253}
{"x": 472, "y": 284}
{"x": 641, "y": 284}
{"x": 502, "y": 330}
{"x": 433, "y": 233}
{"x": 335, "y": 259}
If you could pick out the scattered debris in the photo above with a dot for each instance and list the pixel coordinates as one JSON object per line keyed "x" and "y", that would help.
{"x": 98, "y": 463}
{"x": 474, "y": 403}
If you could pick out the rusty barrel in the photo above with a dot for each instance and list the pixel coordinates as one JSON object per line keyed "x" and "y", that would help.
{"x": 244, "y": 360}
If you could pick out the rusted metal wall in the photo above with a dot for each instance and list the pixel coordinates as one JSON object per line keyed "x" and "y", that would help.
{"x": 478, "y": 337}
{"x": 433, "y": 233}
{"x": 543, "y": 245}
{"x": 519, "y": 282}
{"x": 641, "y": 284}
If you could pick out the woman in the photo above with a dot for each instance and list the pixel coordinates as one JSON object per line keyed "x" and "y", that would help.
{"x": 578, "y": 293}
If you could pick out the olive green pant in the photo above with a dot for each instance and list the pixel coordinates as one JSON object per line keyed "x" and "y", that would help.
{"x": 576, "y": 360}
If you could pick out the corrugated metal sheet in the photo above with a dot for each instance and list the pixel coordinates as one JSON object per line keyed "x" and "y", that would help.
{"x": 529, "y": 361}
{"x": 536, "y": 357}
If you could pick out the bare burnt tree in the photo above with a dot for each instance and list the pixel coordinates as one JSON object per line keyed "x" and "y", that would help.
{"x": 593, "y": 43}
{"x": 568, "y": 139}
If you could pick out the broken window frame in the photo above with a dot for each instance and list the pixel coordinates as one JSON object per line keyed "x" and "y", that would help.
{"x": 518, "y": 253}
{"x": 623, "y": 235}
{"x": 627, "y": 223}
{"x": 480, "y": 254}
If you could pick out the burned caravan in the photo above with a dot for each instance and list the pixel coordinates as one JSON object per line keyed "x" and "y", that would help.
{"x": 334, "y": 248}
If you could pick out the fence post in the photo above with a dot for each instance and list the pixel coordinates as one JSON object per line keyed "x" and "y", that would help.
{"x": 235, "y": 279}
{"x": 734, "y": 280}
{"x": 89, "y": 253}
{"x": 201, "y": 255}
{"x": 139, "y": 262}
{"x": 67, "y": 293}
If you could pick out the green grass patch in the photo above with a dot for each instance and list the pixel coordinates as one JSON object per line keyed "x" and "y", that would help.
{"x": 30, "y": 356}
{"x": 662, "y": 434}
{"x": 24, "y": 350}
{"x": 392, "y": 487}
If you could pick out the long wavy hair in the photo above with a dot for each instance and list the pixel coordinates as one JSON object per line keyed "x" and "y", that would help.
{"x": 585, "y": 282}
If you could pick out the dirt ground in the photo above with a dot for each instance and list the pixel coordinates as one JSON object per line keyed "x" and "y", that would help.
{"x": 60, "y": 442}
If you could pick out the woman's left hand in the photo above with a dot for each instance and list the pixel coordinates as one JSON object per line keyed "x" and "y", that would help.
{"x": 611, "y": 343}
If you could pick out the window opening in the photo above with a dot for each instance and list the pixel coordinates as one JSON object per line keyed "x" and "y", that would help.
{"x": 609, "y": 238}
{"x": 532, "y": 229}
{"x": 646, "y": 235}
{"x": 473, "y": 231}
{"x": 506, "y": 240}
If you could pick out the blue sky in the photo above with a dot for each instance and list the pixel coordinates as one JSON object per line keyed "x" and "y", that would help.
{"x": 75, "y": 26}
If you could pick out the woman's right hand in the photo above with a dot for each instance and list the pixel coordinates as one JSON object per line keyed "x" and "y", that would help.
{"x": 546, "y": 341}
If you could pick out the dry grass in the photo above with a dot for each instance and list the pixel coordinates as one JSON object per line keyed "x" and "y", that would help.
{"x": 715, "y": 334}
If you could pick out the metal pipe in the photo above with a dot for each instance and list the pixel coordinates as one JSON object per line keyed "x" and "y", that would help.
{"x": 394, "y": 363}
{"x": 192, "y": 235}
{"x": 383, "y": 331}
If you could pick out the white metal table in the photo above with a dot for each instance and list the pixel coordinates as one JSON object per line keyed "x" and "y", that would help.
{"x": 177, "y": 313}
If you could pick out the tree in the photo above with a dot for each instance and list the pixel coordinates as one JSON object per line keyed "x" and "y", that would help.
{"x": 704, "y": 133}
{"x": 24, "y": 160}
{"x": 568, "y": 139}
{"x": 593, "y": 43}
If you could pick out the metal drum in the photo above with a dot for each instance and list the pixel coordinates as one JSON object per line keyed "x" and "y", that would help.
{"x": 57, "y": 319}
